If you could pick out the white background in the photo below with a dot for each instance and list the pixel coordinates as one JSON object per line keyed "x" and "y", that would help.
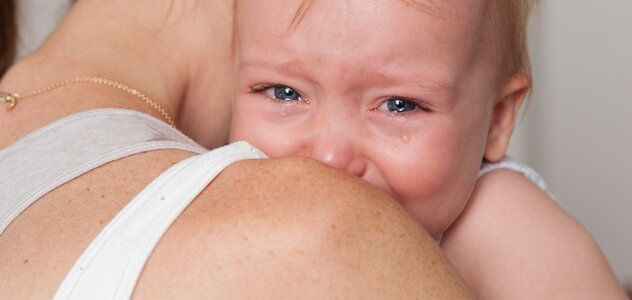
{"x": 578, "y": 128}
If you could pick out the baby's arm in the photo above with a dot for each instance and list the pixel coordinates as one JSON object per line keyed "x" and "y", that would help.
{"x": 514, "y": 242}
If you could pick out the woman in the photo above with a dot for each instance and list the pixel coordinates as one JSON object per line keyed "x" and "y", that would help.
{"x": 279, "y": 228}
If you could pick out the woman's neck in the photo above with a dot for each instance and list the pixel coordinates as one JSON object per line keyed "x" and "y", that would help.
{"x": 153, "y": 46}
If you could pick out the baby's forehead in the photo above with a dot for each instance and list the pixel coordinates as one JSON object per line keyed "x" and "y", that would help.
{"x": 442, "y": 7}
{"x": 284, "y": 17}
{"x": 477, "y": 15}
{"x": 292, "y": 12}
{"x": 452, "y": 27}
{"x": 446, "y": 40}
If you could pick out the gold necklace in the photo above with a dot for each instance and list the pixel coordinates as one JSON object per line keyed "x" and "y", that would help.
{"x": 12, "y": 99}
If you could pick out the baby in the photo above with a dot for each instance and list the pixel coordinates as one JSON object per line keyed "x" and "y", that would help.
{"x": 413, "y": 96}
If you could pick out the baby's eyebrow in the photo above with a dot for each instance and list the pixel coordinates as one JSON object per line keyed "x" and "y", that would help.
{"x": 421, "y": 81}
{"x": 285, "y": 66}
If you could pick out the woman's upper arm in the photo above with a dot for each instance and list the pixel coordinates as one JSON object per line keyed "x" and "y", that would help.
{"x": 513, "y": 241}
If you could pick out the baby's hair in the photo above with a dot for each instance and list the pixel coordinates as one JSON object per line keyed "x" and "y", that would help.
{"x": 510, "y": 14}
{"x": 514, "y": 15}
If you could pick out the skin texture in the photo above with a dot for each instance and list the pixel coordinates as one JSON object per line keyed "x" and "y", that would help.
{"x": 428, "y": 157}
{"x": 253, "y": 233}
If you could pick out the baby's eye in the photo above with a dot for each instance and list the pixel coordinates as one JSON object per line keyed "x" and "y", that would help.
{"x": 284, "y": 93}
{"x": 396, "y": 105}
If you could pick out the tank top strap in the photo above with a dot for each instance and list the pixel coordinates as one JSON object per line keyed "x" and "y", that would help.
{"x": 65, "y": 149}
{"x": 112, "y": 264}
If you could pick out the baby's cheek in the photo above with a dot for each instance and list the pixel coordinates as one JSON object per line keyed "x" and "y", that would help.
{"x": 251, "y": 127}
{"x": 423, "y": 179}
{"x": 275, "y": 140}
{"x": 434, "y": 184}
{"x": 273, "y": 127}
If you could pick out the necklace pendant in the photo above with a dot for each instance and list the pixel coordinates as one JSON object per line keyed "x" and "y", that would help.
{"x": 10, "y": 99}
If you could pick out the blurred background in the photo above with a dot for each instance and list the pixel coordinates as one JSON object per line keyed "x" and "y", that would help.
{"x": 577, "y": 128}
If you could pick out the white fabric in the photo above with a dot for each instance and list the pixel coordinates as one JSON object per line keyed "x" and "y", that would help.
{"x": 510, "y": 164}
{"x": 110, "y": 267}
{"x": 63, "y": 150}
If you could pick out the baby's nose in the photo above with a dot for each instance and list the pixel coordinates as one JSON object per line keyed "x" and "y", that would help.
{"x": 339, "y": 152}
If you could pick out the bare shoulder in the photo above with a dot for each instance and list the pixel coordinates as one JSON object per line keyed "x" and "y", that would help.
{"x": 293, "y": 228}
{"x": 513, "y": 241}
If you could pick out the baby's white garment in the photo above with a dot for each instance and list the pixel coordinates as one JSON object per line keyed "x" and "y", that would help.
{"x": 510, "y": 164}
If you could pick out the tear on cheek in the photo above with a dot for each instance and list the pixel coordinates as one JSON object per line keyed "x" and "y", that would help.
{"x": 285, "y": 110}
{"x": 405, "y": 137}
{"x": 391, "y": 129}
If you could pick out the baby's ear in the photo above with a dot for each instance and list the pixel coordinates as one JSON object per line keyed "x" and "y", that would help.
{"x": 504, "y": 116}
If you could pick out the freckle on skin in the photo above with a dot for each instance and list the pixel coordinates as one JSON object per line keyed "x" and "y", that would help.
{"x": 87, "y": 189}
{"x": 101, "y": 222}
{"x": 379, "y": 229}
{"x": 26, "y": 261}
{"x": 102, "y": 196}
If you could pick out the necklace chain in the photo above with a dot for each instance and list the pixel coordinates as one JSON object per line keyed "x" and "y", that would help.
{"x": 12, "y": 99}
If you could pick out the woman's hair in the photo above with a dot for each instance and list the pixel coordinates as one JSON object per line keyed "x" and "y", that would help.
{"x": 8, "y": 33}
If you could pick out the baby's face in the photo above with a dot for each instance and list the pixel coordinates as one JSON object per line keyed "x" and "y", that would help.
{"x": 379, "y": 89}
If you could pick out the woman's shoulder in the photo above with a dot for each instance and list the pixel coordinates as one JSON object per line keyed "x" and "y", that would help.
{"x": 289, "y": 227}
